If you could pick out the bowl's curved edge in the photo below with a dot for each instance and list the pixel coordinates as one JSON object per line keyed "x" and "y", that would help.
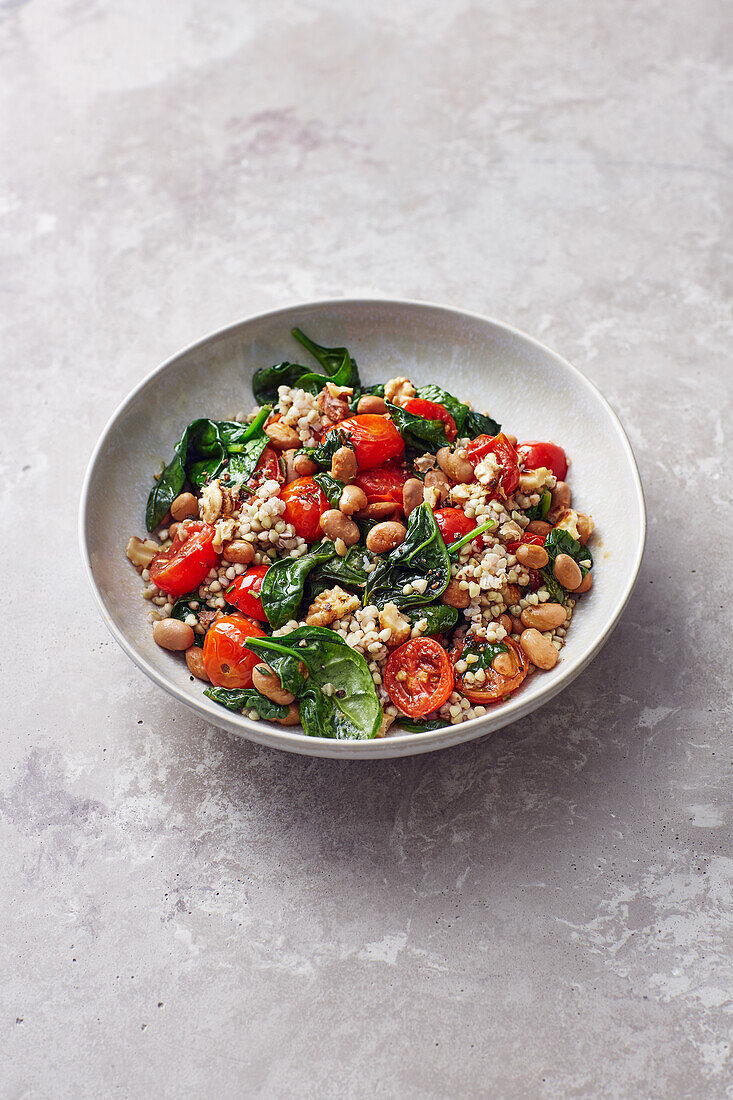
{"x": 402, "y": 744}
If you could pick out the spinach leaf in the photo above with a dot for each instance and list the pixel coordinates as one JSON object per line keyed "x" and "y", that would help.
{"x": 420, "y": 725}
{"x": 348, "y": 709}
{"x": 539, "y": 511}
{"x": 367, "y": 391}
{"x": 556, "y": 590}
{"x": 421, "y": 555}
{"x": 480, "y": 424}
{"x": 242, "y": 464}
{"x": 468, "y": 422}
{"x": 485, "y": 651}
{"x": 324, "y": 452}
{"x": 201, "y": 453}
{"x": 336, "y": 362}
{"x": 246, "y": 699}
{"x": 420, "y": 435}
{"x": 182, "y": 608}
{"x": 562, "y": 542}
{"x": 332, "y": 488}
{"x": 456, "y": 546}
{"x": 440, "y": 617}
{"x": 349, "y": 571}
{"x": 283, "y": 583}
{"x": 266, "y": 380}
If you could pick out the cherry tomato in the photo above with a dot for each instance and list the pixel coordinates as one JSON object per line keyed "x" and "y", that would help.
{"x": 428, "y": 679}
{"x": 382, "y": 484}
{"x": 244, "y": 593}
{"x": 497, "y": 685}
{"x": 534, "y": 540}
{"x": 375, "y": 439}
{"x": 535, "y": 454}
{"x": 305, "y": 503}
{"x": 227, "y": 661}
{"x": 186, "y": 563}
{"x": 267, "y": 469}
{"x": 431, "y": 410}
{"x": 504, "y": 454}
{"x": 453, "y": 524}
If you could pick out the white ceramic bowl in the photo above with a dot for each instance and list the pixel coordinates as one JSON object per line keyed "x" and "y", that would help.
{"x": 532, "y": 391}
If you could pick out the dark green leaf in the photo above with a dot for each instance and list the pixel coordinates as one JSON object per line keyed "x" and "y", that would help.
{"x": 420, "y": 725}
{"x": 420, "y": 435}
{"x": 539, "y": 511}
{"x": 367, "y": 391}
{"x": 331, "y": 488}
{"x": 324, "y": 452}
{"x": 336, "y": 362}
{"x": 562, "y": 542}
{"x": 182, "y": 608}
{"x": 485, "y": 651}
{"x": 352, "y": 711}
{"x": 480, "y": 424}
{"x": 246, "y": 699}
{"x": 243, "y": 463}
{"x": 556, "y": 590}
{"x": 468, "y": 422}
{"x": 349, "y": 571}
{"x": 282, "y": 587}
{"x": 440, "y": 617}
{"x": 266, "y": 380}
{"x": 421, "y": 555}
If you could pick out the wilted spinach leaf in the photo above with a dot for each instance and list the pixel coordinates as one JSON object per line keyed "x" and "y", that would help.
{"x": 367, "y": 391}
{"x": 266, "y": 380}
{"x": 421, "y": 555}
{"x": 349, "y": 571}
{"x": 440, "y": 617}
{"x": 324, "y": 452}
{"x": 420, "y": 725}
{"x": 201, "y": 453}
{"x": 468, "y": 422}
{"x": 556, "y": 590}
{"x": 351, "y": 711}
{"x": 332, "y": 488}
{"x": 485, "y": 651}
{"x": 539, "y": 511}
{"x": 420, "y": 435}
{"x": 562, "y": 542}
{"x": 283, "y": 583}
{"x": 336, "y": 362}
{"x": 246, "y": 699}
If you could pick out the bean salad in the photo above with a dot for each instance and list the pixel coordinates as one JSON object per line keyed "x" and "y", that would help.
{"x": 351, "y": 558}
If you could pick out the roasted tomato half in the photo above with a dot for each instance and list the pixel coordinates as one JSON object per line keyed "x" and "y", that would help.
{"x": 374, "y": 438}
{"x": 499, "y": 682}
{"x": 505, "y": 456}
{"x": 267, "y": 469}
{"x": 453, "y": 524}
{"x": 382, "y": 484}
{"x": 418, "y": 677}
{"x": 534, "y": 454}
{"x": 432, "y": 410}
{"x": 244, "y": 592}
{"x": 305, "y": 503}
{"x": 227, "y": 661}
{"x": 187, "y": 562}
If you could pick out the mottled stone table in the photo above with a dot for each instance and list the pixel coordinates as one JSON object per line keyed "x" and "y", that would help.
{"x": 546, "y": 913}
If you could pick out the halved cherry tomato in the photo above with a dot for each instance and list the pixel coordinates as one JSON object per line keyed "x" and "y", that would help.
{"x": 534, "y": 540}
{"x": 496, "y": 686}
{"x": 186, "y": 563}
{"x": 382, "y": 484}
{"x": 244, "y": 592}
{"x": 305, "y": 503}
{"x": 267, "y": 469}
{"x": 428, "y": 676}
{"x": 374, "y": 438}
{"x": 535, "y": 454}
{"x": 227, "y": 661}
{"x": 503, "y": 452}
{"x": 453, "y": 524}
{"x": 432, "y": 410}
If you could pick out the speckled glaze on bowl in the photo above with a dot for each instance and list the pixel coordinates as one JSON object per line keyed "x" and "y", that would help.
{"x": 531, "y": 390}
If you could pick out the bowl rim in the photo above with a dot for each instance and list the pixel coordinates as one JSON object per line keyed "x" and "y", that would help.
{"x": 400, "y": 744}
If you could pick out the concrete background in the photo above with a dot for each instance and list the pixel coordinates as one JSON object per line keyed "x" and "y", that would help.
{"x": 543, "y": 914}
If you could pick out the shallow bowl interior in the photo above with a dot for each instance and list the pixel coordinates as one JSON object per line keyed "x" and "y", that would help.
{"x": 533, "y": 392}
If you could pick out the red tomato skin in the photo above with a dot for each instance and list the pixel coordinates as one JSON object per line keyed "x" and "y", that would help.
{"x": 418, "y": 658}
{"x": 267, "y": 469}
{"x": 506, "y": 456}
{"x": 305, "y": 503}
{"x": 184, "y": 566}
{"x": 534, "y": 540}
{"x": 244, "y": 593}
{"x": 227, "y": 661}
{"x": 453, "y": 524}
{"x": 535, "y": 453}
{"x": 383, "y": 484}
{"x": 432, "y": 410}
{"x": 374, "y": 437}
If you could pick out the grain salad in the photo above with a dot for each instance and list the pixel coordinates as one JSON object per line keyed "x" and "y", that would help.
{"x": 350, "y": 558}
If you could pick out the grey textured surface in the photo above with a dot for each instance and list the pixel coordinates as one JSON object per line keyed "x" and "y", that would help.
{"x": 545, "y": 913}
